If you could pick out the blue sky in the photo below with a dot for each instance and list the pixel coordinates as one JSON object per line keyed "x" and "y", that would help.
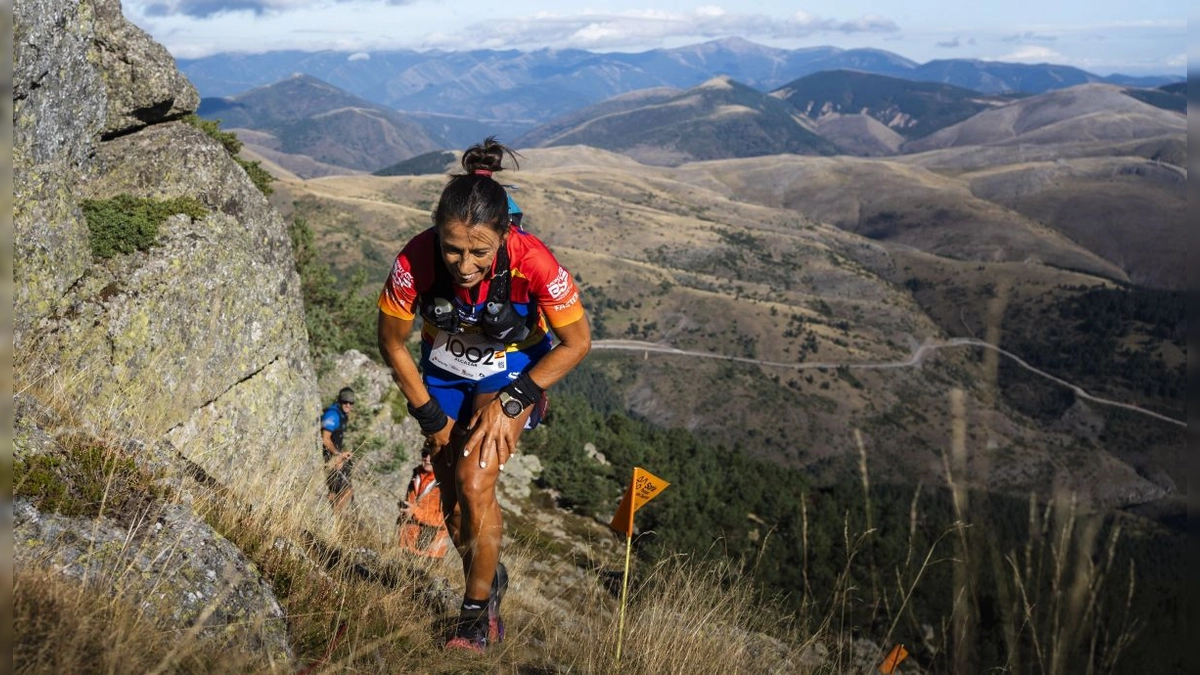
{"x": 1101, "y": 36}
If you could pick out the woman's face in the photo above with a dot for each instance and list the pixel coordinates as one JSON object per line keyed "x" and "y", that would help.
{"x": 468, "y": 251}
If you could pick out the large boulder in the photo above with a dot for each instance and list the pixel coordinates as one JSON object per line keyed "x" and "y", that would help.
{"x": 59, "y": 106}
{"x": 134, "y": 545}
{"x": 141, "y": 82}
{"x": 178, "y": 570}
{"x": 198, "y": 340}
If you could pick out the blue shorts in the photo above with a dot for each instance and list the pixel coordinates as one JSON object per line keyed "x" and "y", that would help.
{"x": 455, "y": 393}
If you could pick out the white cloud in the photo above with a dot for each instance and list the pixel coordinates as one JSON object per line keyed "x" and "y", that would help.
{"x": 359, "y": 56}
{"x": 1031, "y": 54}
{"x": 203, "y": 9}
{"x": 1100, "y": 37}
{"x": 608, "y": 30}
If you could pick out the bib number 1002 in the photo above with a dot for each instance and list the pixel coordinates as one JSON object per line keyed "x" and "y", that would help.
{"x": 468, "y": 355}
{"x": 472, "y": 353}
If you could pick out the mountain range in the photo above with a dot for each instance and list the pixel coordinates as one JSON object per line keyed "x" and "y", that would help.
{"x": 834, "y": 112}
{"x": 841, "y": 212}
{"x": 512, "y": 91}
{"x": 304, "y": 116}
{"x": 718, "y": 119}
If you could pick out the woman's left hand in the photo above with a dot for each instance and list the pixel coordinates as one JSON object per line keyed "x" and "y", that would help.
{"x": 494, "y": 435}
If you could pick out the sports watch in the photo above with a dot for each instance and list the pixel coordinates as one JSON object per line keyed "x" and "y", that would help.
{"x": 510, "y": 404}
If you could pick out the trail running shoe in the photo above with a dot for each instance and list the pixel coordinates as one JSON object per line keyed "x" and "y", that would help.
{"x": 499, "y": 586}
{"x": 470, "y": 635}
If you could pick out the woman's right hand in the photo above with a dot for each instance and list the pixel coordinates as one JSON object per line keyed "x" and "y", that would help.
{"x": 438, "y": 440}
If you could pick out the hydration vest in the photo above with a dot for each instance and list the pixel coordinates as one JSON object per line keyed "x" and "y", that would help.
{"x": 499, "y": 320}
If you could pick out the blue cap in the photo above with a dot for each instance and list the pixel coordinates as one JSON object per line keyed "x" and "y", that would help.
{"x": 514, "y": 213}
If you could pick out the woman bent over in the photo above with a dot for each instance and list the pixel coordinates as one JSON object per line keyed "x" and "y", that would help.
{"x": 502, "y": 321}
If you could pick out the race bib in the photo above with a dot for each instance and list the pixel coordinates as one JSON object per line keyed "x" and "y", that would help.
{"x": 470, "y": 355}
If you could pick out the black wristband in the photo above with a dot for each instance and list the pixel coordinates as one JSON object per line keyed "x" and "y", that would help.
{"x": 430, "y": 416}
{"x": 525, "y": 390}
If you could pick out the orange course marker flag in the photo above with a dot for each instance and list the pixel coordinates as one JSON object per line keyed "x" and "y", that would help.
{"x": 894, "y": 657}
{"x": 644, "y": 487}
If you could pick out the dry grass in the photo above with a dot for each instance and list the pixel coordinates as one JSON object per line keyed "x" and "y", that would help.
{"x": 354, "y": 604}
{"x": 351, "y": 610}
{"x": 63, "y": 626}
{"x": 352, "y": 601}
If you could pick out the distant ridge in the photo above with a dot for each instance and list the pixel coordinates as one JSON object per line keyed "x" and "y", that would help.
{"x": 720, "y": 119}
{"x": 529, "y": 88}
{"x": 316, "y": 119}
{"x": 911, "y": 109}
{"x": 437, "y": 162}
{"x": 1168, "y": 97}
{"x": 1085, "y": 113}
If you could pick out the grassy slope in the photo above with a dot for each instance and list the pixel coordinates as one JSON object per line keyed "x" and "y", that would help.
{"x": 667, "y": 255}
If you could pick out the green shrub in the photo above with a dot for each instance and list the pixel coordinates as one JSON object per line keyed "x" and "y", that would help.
{"x": 261, "y": 178}
{"x": 338, "y": 315}
{"x": 233, "y": 145}
{"x": 88, "y": 479}
{"x": 124, "y": 224}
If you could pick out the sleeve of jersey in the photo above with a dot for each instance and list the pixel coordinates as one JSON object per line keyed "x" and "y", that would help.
{"x": 399, "y": 295}
{"x": 555, "y": 289}
{"x": 329, "y": 421}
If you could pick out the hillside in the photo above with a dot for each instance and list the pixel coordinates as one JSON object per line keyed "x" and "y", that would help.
{"x": 302, "y": 115}
{"x": 716, "y": 120}
{"x": 709, "y": 257}
{"x": 900, "y": 204}
{"x": 1086, "y": 113}
{"x": 910, "y": 108}
{"x": 859, "y": 135}
{"x": 546, "y": 134}
{"x": 1127, "y": 210}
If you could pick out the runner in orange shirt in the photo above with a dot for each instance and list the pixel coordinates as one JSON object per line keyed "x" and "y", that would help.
{"x": 421, "y": 527}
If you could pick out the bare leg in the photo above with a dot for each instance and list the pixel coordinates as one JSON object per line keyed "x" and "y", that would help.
{"x": 341, "y": 499}
{"x": 473, "y": 515}
{"x": 444, "y": 470}
{"x": 481, "y": 525}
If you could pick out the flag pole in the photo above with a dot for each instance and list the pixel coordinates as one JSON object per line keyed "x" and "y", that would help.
{"x": 644, "y": 487}
{"x": 624, "y": 592}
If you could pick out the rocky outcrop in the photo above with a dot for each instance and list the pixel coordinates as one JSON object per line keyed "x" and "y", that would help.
{"x": 140, "y": 80}
{"x": 59, "y": 107}
{"x": 145, "y": 547}
{"x": 200, "y": 339}
{"x": 196, "y": 346}
{"x": 206, "y": 585}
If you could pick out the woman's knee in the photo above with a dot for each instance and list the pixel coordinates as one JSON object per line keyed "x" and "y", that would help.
{"x": 475, "y": 485}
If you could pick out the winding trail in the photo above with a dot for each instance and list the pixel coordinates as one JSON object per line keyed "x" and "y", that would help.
{"x": 918, "y": 355}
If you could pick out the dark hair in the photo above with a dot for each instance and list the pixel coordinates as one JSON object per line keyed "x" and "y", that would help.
{"x": 474, "y": 197}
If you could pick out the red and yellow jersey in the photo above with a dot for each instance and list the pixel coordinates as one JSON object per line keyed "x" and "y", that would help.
{"x": 539, "y": 284}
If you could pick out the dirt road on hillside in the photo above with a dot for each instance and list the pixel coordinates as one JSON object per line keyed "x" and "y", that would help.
{"x": 914, "y": 360}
